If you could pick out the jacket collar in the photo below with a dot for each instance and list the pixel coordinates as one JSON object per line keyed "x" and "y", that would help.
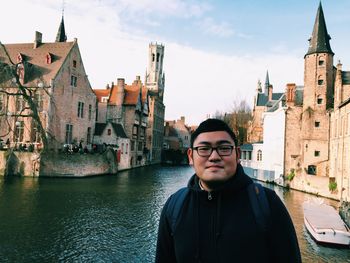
{"x": 235, "y": 183}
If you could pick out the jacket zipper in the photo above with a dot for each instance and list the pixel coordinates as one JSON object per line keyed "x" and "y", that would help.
{"x": 209, "y": 196}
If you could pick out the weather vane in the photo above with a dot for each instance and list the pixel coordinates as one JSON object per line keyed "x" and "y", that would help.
{"x": 63, "y": 3}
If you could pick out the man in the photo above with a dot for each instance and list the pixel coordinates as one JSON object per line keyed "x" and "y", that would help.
{"x": 216, "y": 222}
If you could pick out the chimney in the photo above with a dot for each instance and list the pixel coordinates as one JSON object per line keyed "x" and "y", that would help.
{"x": 107, "y": 87}
{"x": 38, "y": 39}
{"x": 290, "y": 93}
{"x": 270, "y": 92}
{"x": 166, "y": 129}
{"x": 183, "y": 119}
{"x": 120, "y": 91}
{"x": 120, "y": 82}
{"x": 137, "y": 80}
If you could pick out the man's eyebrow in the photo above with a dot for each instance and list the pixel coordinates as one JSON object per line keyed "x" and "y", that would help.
{"x": 217, "y": 142}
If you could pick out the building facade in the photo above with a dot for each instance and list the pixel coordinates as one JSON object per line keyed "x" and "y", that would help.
{"x": 53, "y": 75}
{"x": 127, "y": 105}
{"x": 263, "y": 101}
{"x": 316, "y": 128}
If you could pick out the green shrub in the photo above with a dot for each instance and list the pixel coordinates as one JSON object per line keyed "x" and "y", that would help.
{"x": 332, "y": 186}
{"x": 291, "y": 175}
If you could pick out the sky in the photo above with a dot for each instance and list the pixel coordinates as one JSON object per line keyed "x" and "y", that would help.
{"x": 216, "y": 51}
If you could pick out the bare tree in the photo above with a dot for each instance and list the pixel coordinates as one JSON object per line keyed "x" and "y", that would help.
{"x": 238, "y": 119}
{"x": 12, "y": 87}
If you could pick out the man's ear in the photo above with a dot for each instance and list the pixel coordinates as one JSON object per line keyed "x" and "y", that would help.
{"x": 238, "y": 154}
{"x": 190, "y": 156}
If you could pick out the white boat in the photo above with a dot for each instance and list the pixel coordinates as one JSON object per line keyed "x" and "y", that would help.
{"x": 325, "y": 225}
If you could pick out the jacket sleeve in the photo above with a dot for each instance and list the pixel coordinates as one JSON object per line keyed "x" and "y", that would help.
{"x": 165, "y": 251}
{"x": 283, "y": 241}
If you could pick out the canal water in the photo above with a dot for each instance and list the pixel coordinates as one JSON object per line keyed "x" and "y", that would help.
{"x": 108, "y": 218}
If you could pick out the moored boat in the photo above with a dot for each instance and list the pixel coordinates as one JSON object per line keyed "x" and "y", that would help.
{"x": 325, "y": 225}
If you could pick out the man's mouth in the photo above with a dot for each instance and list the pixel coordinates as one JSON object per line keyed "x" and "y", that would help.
{"x": 214, "y": 167}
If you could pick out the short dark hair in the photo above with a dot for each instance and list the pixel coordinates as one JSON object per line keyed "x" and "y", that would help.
{"x": 211, "y": 125}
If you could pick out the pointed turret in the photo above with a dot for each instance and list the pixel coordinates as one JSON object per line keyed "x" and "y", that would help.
{"x": 61, "y": 34}
{"x": 319, "y": 41}
{"x": 267, "y": 83}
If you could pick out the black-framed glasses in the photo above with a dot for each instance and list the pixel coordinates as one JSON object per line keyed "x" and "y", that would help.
{"x": 206, "y": 151}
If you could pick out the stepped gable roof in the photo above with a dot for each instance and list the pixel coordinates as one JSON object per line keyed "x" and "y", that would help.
{"x": 101, "y": 93}
{"x": 117, "y": 127}
{"x": 319, "y": 41}
{"x": 46, "y": 59}
{"x": 345, "y": 75}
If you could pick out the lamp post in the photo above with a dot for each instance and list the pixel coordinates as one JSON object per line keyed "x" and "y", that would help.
{"x": 17, "y": 124}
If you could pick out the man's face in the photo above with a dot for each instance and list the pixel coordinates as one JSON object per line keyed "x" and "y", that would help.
{"x": 214, "y": 169}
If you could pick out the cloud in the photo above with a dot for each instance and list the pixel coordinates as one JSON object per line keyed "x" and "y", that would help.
{"x": 200, "y": 83}
{"x": 178, "y": 8}
{"x": 222, "y": 29}
{"x": 197, "y": 82}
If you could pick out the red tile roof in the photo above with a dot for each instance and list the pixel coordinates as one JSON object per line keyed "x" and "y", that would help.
{"x": 37, "y": 57}
{"x": 131, "y": 94}
{"x": 101, "y": 93}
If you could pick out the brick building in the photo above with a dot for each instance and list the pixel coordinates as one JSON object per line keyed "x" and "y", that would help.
{"x": 316, "y": 124}
{"x": 263, "y": 101}
{"x": 55, "y": 75}
{"x": 127, "y": 105}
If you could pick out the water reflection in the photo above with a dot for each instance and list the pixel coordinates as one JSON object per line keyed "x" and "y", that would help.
{"x": 107, "y": 219}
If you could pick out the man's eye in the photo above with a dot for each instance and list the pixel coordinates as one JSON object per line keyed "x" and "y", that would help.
{"x": 225, "y": 148}
{"x": 204, "y": 149}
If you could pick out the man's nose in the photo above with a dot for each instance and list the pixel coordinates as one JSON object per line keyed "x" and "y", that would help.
{"x": 214, "y": 155}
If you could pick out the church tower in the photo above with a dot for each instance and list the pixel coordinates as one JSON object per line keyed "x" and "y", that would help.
{"x": 155, "y": 82}
{"x": 61, "y": 33}
{"x": 318, "y": 98}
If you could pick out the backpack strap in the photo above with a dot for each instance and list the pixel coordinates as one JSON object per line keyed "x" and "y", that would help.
{"x": 174, "y": 207}
{"x": 260, "y": 205}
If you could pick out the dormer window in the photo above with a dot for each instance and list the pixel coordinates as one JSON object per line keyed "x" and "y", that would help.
{"x": 19, "y": 58}
{"x": 74, "y": 63}
{"x": 48, "y": 58}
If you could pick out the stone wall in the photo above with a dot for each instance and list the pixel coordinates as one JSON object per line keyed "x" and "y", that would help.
{"x": 314, "y": 185}
{"x": 59, "y": 164}
{"x": 20, "y": 163}
{"x": 78, "y": 165}
{"x": 344, "y": 211}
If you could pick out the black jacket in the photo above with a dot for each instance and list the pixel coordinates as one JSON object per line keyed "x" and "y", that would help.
{"x": 224, "y": 229}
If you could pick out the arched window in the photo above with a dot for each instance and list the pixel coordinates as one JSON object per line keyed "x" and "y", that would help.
{"x": 321, "y": 61}
{"x": 259, "y": 156}
{"x": 320, "y": 80}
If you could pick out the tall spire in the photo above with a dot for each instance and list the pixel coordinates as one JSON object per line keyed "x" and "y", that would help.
{"x": 61, "y": 34}
{"x": 267, "y": 83}
{"x": 319, "y": 41}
